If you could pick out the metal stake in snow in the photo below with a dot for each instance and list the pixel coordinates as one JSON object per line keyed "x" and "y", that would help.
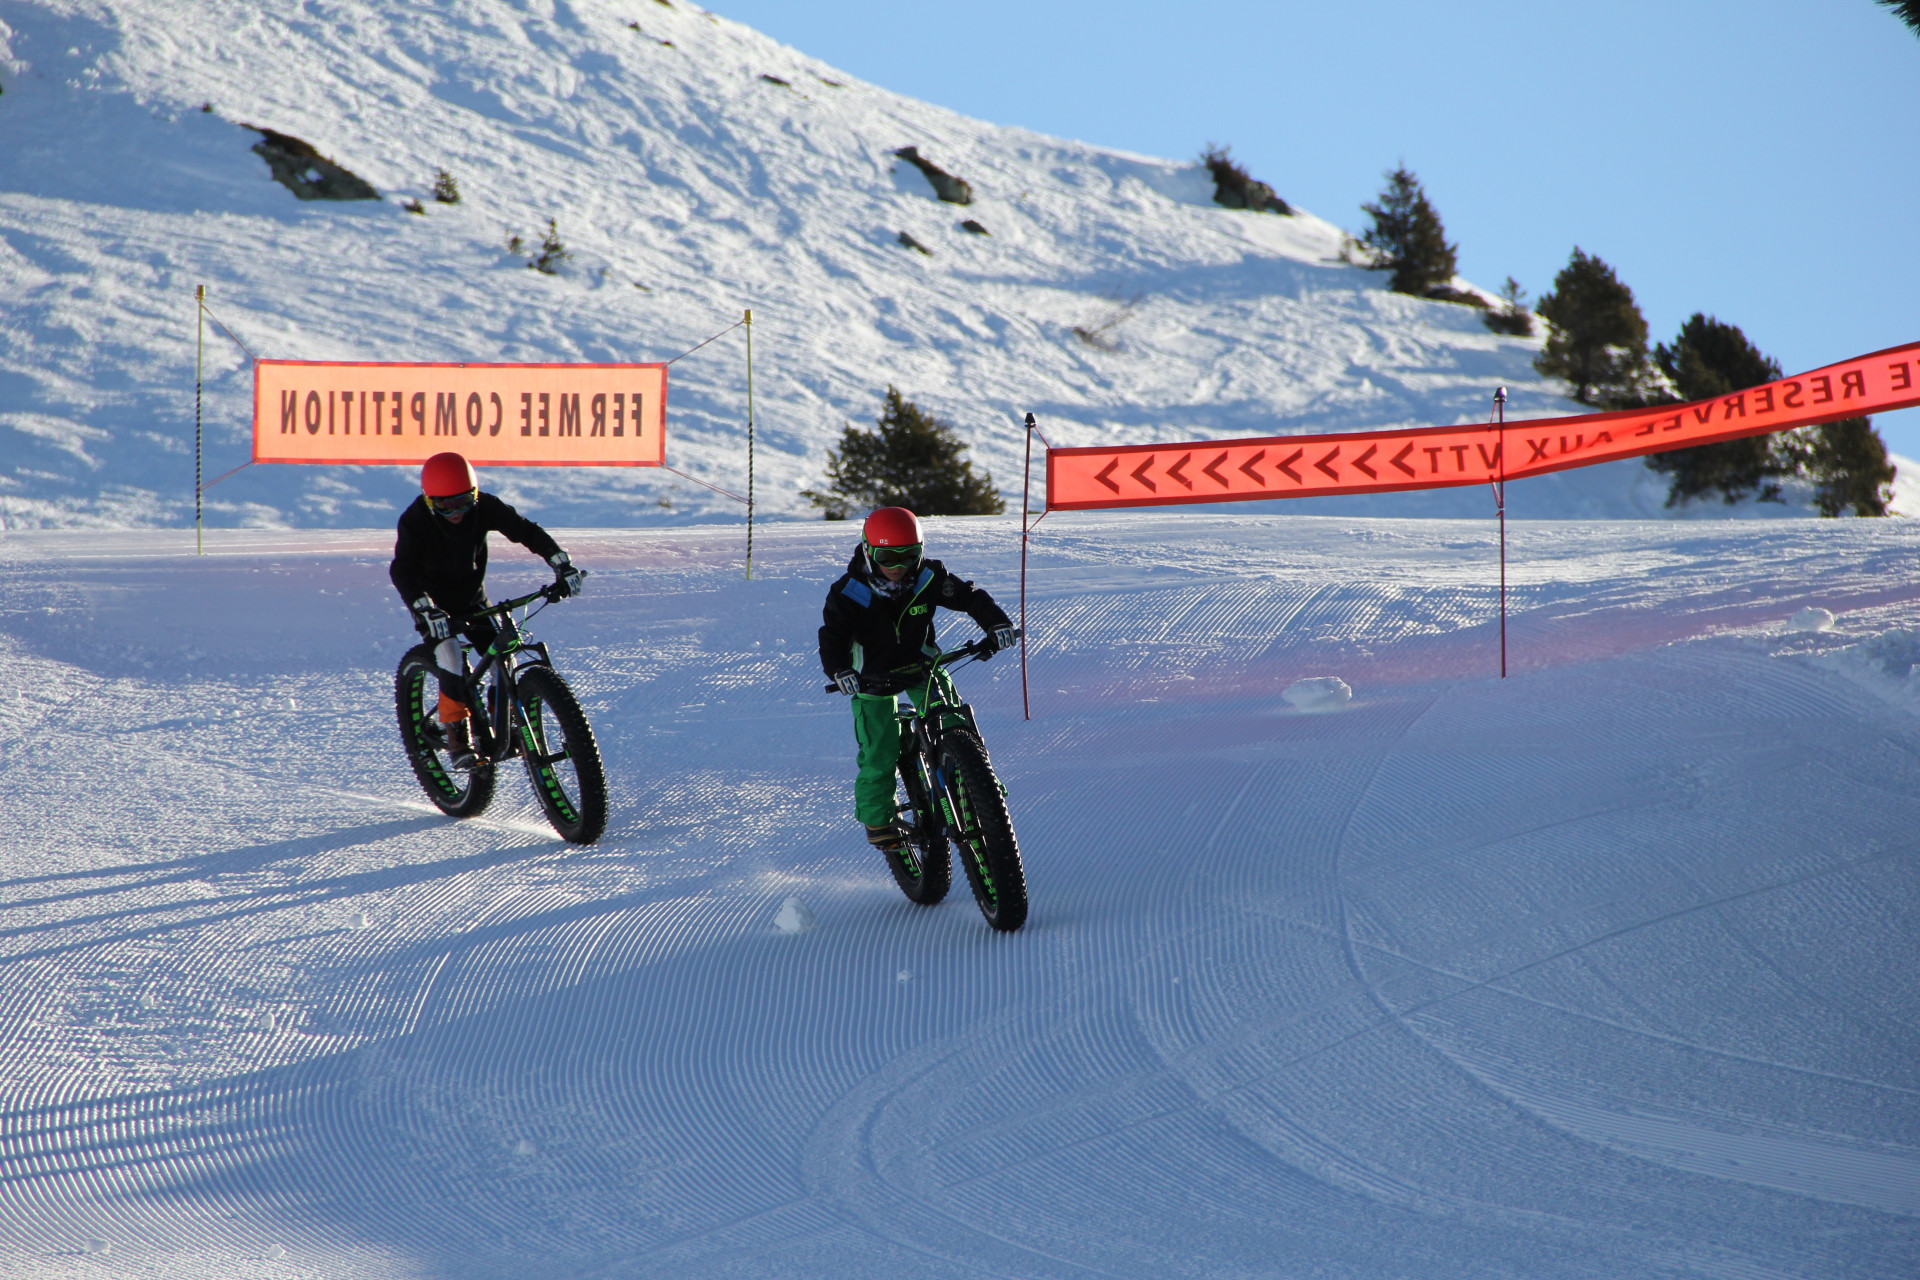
{"x": 1500, "y": 501}
{"x": 1026, "y": 510}
{"x": 749, "y": 323}
{"x": 199, "y": 351}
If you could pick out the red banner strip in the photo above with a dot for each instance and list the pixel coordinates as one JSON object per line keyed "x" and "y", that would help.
{"x": 1156, "y": 475}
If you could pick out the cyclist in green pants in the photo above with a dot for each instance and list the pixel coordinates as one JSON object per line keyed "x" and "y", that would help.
{"x": 876, "y": 636}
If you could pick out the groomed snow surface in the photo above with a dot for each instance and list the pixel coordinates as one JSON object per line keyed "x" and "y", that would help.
{"x": 1603, "y": 970}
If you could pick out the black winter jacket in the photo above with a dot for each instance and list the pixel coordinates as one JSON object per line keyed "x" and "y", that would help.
{"x": 888, "y": 639}
{"x": 447, "y": 561}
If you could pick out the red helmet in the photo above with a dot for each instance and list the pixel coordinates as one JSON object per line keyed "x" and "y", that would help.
{"x": 447, "y": 474}
{"x": 891, "y": 527}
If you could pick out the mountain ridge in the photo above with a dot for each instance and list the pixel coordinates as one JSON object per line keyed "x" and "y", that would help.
{"x": 695, "y": 168}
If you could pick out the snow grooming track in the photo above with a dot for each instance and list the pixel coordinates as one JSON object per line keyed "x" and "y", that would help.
{"x": 1602, "y": 970}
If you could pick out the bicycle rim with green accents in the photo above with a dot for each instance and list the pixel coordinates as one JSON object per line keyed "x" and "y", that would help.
{"x": 967, "y": 826}
{"x": 552, "y": 784}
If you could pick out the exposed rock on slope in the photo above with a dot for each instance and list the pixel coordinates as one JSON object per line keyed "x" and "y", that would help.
{"x": 301, "y": 169}
{"x": 949, "y": 188}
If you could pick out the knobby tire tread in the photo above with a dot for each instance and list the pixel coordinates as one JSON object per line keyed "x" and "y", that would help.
{"x": 929, "y": 839}
{"x": 456, "y": 794}
{"x": 985, "y": 832}
{"x": 547, "y": 688}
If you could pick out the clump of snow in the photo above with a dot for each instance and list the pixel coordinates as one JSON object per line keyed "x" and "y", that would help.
{"x": 1811, "y": 619}
{"x": 794, "y": 916}
{"x": 100, "y": 1246}
{"x": 267, "y": 1023}
{"x": 359, "y": 920}
{"x": 276, "y": 1253}
{"x": 1318, "y": 693}
{"x": 905, "y": 975}
{"x": 525, "y": 1147}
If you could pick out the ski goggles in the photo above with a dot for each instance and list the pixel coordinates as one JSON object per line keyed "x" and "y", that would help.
{"x": 454, "y": 504}
{"x": 895, "y": 557}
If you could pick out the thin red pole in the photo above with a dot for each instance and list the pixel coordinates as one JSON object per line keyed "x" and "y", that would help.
{"x": 1500, "y": 410}
{"x": 1026, "y": 487}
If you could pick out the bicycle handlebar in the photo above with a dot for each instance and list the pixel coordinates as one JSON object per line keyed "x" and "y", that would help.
{"x": 972, "y": 649}
{"x": 505, "y": 606}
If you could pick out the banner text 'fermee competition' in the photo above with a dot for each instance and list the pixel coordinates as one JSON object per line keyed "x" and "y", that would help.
{"x": 524, "y": 415}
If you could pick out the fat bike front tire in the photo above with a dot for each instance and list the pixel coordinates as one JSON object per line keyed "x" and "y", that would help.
{"x": 416, "y": 695}
{"x": 984, "y": 831}
{"x": 922, "y": 867}
{"x": 563, "y": 760}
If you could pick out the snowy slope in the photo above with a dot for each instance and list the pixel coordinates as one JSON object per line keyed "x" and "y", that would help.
{"x": 1603, "y": 970}
{"x": 690, "y": 187}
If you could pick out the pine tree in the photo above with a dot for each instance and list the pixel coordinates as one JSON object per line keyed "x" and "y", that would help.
{"x": 1849, "y": 465}
{"x": 911, "y": 459}
{"x": 1908, "y": 11}
{"x": 1846, "y": 460}
{"x": 1512, "y": 316}
{"x": 1596, "y": 336}
{"x": 1710, "y": 358}
{"x": 1407, "y": 238}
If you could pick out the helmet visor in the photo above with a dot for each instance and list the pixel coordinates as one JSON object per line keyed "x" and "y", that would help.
{"x": 454, "y": 504}
{"x": 895, "y": 557}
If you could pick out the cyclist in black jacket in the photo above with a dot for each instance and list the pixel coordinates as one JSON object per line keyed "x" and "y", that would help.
{"x": 440, "y": 569}
{"x": 876, "y": 636}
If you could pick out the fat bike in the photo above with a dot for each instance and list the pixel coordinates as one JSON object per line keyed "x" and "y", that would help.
{"x": 520, "y": 706}
{"x": 947, "y": 794}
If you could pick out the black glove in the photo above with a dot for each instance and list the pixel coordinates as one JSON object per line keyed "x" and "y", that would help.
{"x": 849, "y": 681}
{"x": 566, "y": 579}
{"x": 998, "y": 638}
{"x": 430, "y": 620}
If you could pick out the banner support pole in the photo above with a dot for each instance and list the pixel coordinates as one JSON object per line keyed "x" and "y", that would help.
{"x": 1026, "y": 487}
{"x": 749, "y": 323}
{"x": 199, "y": 354}
{"x": 1500, "y": 498}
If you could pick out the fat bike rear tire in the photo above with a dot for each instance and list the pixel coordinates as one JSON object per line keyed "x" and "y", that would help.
{"x": 984, "y": 831}
{"x": 563, "y": 760}
{"x": 922, "y": 867}
{"x": 416, "y": 695}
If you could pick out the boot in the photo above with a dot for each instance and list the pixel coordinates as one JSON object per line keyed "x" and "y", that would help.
{"x": 459, "y": 745}
{"x": 887, "y": 837}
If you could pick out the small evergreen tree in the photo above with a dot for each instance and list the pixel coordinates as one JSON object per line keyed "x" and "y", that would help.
{"x": 1407, "y": 238}
{"x": 1710, "y": 358}
{"x": 1512, "y": 317}
{"x": 445, "y": 189}
{"x": 911, "y": 459}
{"x": 1849, "y": 466}
{"x": 1908, "y": 11}
{"x": 552, "y": 251}
{"x": 1596, "y": 336}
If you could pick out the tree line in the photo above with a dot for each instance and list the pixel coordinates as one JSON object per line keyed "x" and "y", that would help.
{"x": 1596, "y": 342}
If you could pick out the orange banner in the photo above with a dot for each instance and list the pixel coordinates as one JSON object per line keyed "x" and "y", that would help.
{"x": 1435, "y": 457}
{"x": 515, "y": 415}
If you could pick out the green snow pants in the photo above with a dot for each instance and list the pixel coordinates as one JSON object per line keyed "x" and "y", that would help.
{"x": 877, "y": 729}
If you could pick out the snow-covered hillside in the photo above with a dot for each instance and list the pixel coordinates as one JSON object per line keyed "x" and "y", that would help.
{"x": 1603, "y": 970}
{"x": 696, "y": 169}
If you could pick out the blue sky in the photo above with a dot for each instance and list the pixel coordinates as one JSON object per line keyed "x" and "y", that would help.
{"x": 1757, "y": 160}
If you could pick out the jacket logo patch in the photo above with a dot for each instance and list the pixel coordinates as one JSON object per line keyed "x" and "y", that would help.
{"x": 919, "y": 608}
